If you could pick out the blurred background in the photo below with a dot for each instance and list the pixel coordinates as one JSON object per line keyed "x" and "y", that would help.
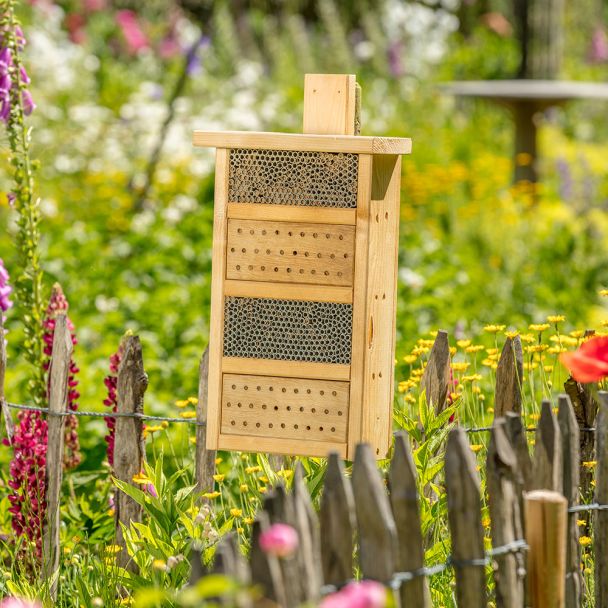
{"x": 127, "y": 202}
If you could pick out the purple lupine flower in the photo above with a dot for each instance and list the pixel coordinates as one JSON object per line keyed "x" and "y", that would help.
{"x": 11, "y": 197}
{"x": 193, "y": 65}
{"x": 5, "y": 289}
{"x": 598, "y": 50}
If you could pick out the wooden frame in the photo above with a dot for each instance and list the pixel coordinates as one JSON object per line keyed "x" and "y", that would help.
{"x": 284, "y": 252}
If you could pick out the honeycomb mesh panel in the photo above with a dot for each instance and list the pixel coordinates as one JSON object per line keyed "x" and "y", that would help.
{"x": 289, "y": 330}
{"x": 284, "y": 177}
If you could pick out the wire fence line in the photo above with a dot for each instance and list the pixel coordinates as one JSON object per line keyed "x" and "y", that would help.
{"x": 399, "y": 578}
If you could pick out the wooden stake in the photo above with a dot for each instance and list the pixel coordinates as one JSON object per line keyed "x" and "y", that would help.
{"x": 58, "y": 396}
{"x": 4, "y": 410}
{"x": 436, "y": 377}
{"x": 129, "y": 450}
{"x": 509, "y": 375}
{"x": 546, "y": 516}
{"x": 205, "y": 458}
{"x": 601, "y": 497}
{"x": 548, "y": 459}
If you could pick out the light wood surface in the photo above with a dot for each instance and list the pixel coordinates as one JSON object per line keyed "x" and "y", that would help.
{"x": 291, "y": 213}
{"x": 359, "y": 302}
{"x": 381, "y": 302}
{"x": 218, "y": 273}
{"x": 246, "y": 443}
{"x": 355, "y": 144}
{"x": 314, "y": 293}
{"x": 297, "y": 408}
{"x": 329, "y": 104}
{"x": 290, "y": 369}
{"x": 290, "y": 252}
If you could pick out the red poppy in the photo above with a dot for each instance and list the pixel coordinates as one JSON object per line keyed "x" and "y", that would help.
{"x": 590, "y": 362}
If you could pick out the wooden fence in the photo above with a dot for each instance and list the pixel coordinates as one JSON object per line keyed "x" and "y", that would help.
{"x": 365, "y": 528}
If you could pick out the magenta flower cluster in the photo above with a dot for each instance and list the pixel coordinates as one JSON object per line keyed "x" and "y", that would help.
{"x": 7, "y": 78}
{"x": 358, "y": 594}
{"x": 111, "y": 382}
{"x": 5, "y": 289}
{"x": 58, "y": 304}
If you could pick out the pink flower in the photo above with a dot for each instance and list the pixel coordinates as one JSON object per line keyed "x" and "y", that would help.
{"x": 15, "y": 602}
{"x": 361, "y": 594}
{"x": 590, "y": 362}
{"x": 280, "y": 540}
{"x": 598, "y": 50}
{"x": 150, "y": 489}
{"x": 5, "y": 289}
{"x": 95, "y": 5}
{"x": 111, "y": 382}
{"x": 131, "y": 31}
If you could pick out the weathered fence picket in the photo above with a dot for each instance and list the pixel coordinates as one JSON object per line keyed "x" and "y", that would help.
{"x": 129, "y": 449}
{"x": 601, "y": 498}
{"x": 58, "y": 401}
{"x": 4, "y": 411}
{"x": 547, "y": 466}
{"x": 230, "y": 562}
{"x": 437, "y": 373}
{"x": 509, "y": 374}
{"x": 204, "y": 465}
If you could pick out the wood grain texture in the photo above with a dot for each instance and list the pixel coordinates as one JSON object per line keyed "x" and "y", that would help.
{"x": 302, "y": 447}
{"x": 464, "y": 518}
{"x": 58, "y": 395}
{"x": 290, "y": 252}
{"x": 216, "y": 320}
{"x": 570, "y": 447}
{"x": 129, "y": 448}
{"x": 406, "y": 512}
{"x": 292, "y": 213}
{"x": 337, "y": 518}
{"x": 516, "y": 432}
{"x": 305, "y": 143}
{"x": 329, "y": 104}
{"x": 509, "y": 375}
{"x": 204, "y": 457}
{"x": 375, "y": 522}
{"x": 505, "y": 517}
{"x": 600, "y": 536}
{"x": 285, "y": 408}
{"x": 360, "y": 327}
{"x": 436, "y": 377}
{"x": 4, "y": 409}
{"x": 546, "y": 514}
{"x": 265, "y": 568}
{"x": 381, "y": 303}
{"x": 548, "y": 458}
{"x": 280, "y": 291}
{"x": 289, "y": 369}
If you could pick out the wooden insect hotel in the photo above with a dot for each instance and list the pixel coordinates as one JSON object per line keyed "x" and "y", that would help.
{"x": 305, "y": 243}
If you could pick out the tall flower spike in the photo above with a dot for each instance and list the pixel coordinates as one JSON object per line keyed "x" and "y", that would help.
{"x": 58, "y": 304}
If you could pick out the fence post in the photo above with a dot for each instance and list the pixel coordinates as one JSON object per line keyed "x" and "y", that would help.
{"x": 58, "y": 395}
{"x": 337, "y": 517}
{"x": 509, "y": 376}
{"x": 4, "y": 410}
{"x": 464, "y": 517}
{"x": 375, "y": 523}
{"x": 570, "y": 442}
{"x": 548, "y": 458}
{"x": 546, "y": 515}
{"x": 406, "y": 511}
{"x": 505, "y": 517}
{"x": 204, "y": 458}
{"x": 230, "y": 562}
{"x": 601, "y": 497}
{"x": 436, "y": 377}
{"x": 129, "y": 450}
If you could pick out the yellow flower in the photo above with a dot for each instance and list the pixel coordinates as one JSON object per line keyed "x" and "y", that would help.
{"x": 523, "y": 159}
{"x": 556, "y": 318}
{"x": 219, "y": 460}
{"x": 587, "y": 571}
{"x": 287, "y": 474}
{"x": 512, "y": 334}
{"x": 527, "y": 338}
{"x": 113, "y": 549}
{"x": 188, "y": 415}
{"x": 577, "y": 333}
{"x": 244, "y": 456}
{"x": 463, "y": 343}
{"x": 212, "y": 495}
{"x": 548, "y": 368}
{"x": 244, "y": 488}
{"x": 494, "y": 329}
{"x": 219, "y": 478}
{"x": 453, "y": 350}
{"x": 492, "y": 351}
{"x": 159, "y": 564}
{"x": 485, "y": 522}
{"x": 192, "y": 440}
{"x": 252, "y": 499}
{"x": 236, "y": 512}
{"x": 423, "y": 342}
{"x": 250, "y": 470}
{"x": 584, "y": 541}
{"x": 536, "y": 348}
{"x": 420, "y": 350}
{"x": 248, "y": 520}
{"x": 482, "y": 397}
{"x": 580, "y": 522}
{"x": 476, "y": 389}
{"x": 489, "y": 363}
{"x": 604, "y": 323}
{"x": 474, "y": 348}
{"x": 164, "y": 424}
{"x": 154, "y": 429}
{"x": 476, "y": 447}
{"x": 263, "y": 489}
{"x": 193, "y": 400}
{"x": 182, "y": 403}
{"x": 141, "y": 479}
{"x": 590, "y": 464}
{"x": 263, "y": 479}
{"x": 460, "y": 366}
{"x": 410, "y": 398}
{"x": 538, "y": 326}
{"x": 409, "y": 359}
{"x": 471, "y": 378}
{"x": 604, "y": 293}
{"x": 240, "y": 530}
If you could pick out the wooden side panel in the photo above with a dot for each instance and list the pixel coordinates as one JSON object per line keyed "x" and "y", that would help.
{"x": 381, "y": 297}
{"x": 290, "y": 252}
{"x": 246, "y": 443}
{"x": 218, "y": 272}
{"x": 291, "y": 213}
{"x": 284, "y": 408}
{"x": 291, "y": 369}
{"x": 329, "y": 104}
{"x": 359, "y": 303}
{"x": 289, "y": 291}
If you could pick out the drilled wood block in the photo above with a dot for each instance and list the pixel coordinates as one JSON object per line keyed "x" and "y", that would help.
{"x": 290, "y": 252}
{"x": 296, "y": 408}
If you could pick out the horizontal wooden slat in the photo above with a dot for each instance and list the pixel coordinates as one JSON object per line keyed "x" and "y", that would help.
{"x": 354, "y": 144}
{"x": 291, "y": 213}
{"x": 291, "y": 369}
{"x": 244, "y": 443}
{"x": 288, "y": 291}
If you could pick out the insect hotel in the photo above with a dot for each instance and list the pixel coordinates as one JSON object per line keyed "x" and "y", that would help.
{"x": 304, "y": 277}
